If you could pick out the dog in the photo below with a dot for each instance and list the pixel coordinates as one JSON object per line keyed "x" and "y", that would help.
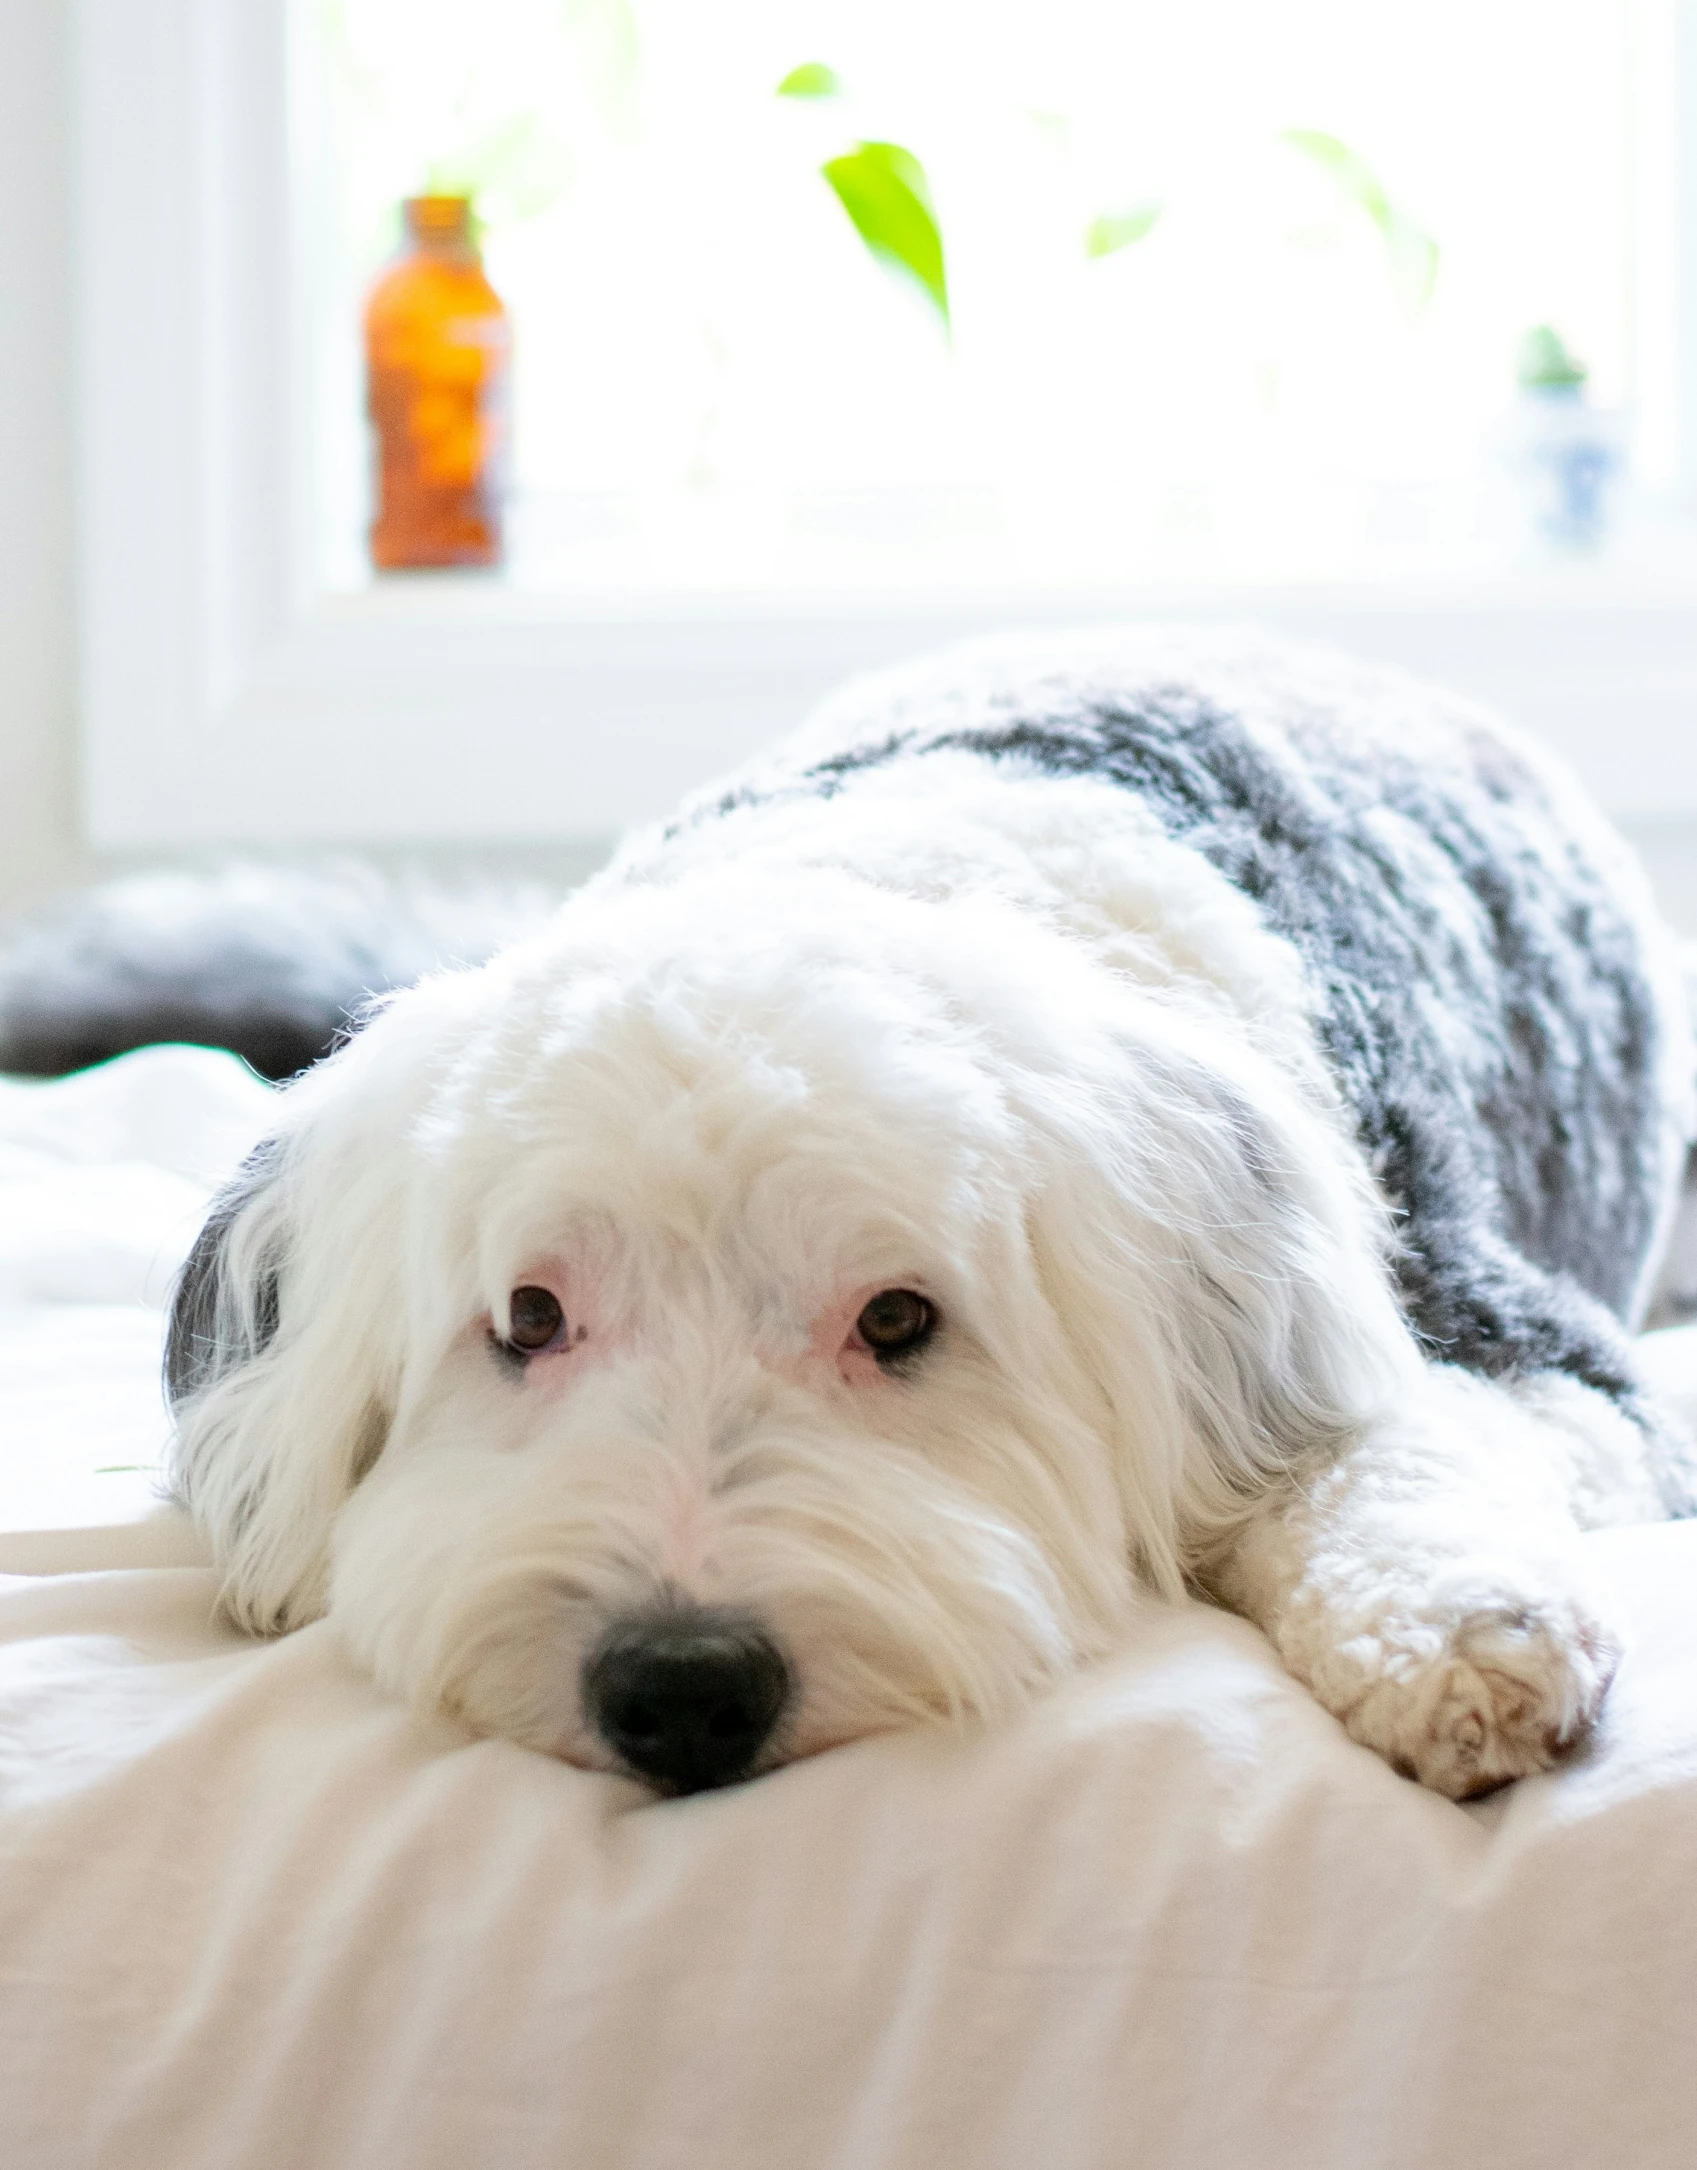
{"x": 1082, "y": 1124}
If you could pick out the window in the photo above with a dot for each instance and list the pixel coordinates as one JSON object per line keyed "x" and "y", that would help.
{"x": 1230, "y": 289}
{"x": 1234, "y": 295}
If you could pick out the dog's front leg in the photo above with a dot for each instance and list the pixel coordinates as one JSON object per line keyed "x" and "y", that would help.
{"x": 1429, "y": 1585}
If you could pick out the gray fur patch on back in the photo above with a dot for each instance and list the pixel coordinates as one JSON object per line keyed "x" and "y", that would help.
{"x": 1486, "y": 1002}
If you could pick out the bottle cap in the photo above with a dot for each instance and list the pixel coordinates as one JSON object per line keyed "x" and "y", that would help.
{"x": 438, "y": 219}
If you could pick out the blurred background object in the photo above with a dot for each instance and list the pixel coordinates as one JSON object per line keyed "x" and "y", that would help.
{"x": 1567, "y": 454}
{"x": 436, "y": 346}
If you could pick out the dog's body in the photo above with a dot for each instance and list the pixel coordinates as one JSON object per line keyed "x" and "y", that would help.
{"x": 936, "y": 1191}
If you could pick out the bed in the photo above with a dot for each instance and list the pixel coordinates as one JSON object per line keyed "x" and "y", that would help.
{"x": 252, "y": 1914}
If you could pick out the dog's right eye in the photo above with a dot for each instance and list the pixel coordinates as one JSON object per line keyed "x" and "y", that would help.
{"x": 536, "y": 1319}
{"x": 896, "y": 1322}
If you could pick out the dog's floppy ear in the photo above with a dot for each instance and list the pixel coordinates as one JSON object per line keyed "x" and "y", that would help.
{"x": 281, "y": 1356}
{"x": 224, "y": 1313}
{"x": 1219, "y": 1265}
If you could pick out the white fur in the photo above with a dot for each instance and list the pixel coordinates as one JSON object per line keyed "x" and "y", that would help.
{"x": 995, "y": 1041}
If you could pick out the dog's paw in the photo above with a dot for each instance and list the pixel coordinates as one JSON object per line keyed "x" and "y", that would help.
{"x": 1468, "y": 1694}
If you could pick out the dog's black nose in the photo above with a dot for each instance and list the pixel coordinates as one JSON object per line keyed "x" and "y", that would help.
{"x": 687, "y": 1698}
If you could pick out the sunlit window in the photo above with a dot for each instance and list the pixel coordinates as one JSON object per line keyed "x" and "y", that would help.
{"x": 852, "y": 294}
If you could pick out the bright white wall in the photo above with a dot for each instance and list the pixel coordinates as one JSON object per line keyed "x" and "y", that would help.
{"x": 38, "y": 815}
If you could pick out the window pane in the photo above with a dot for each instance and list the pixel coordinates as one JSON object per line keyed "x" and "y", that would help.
{"x": 1232, "y": 288}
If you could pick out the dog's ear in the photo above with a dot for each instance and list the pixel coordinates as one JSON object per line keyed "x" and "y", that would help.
{"x": 224, "y": 1310}
{"x": 1218, "y": 1262}
{"x": 278, "y": 1365}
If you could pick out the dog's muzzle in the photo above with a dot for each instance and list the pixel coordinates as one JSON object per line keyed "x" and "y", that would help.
{"x": 686, "y": 1697}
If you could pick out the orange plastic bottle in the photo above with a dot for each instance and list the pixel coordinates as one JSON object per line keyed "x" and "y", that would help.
{"x": 437, "y": 348}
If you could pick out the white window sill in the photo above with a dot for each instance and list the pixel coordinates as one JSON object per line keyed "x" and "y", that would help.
{"x": 459, "y": 708}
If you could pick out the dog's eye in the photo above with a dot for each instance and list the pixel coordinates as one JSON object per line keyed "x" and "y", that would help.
{"x": 536, "y": 1319}
{"x": 896, "y": 1322}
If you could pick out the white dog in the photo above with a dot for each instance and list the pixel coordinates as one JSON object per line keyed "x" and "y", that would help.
{"x": 1161, "y": 1114}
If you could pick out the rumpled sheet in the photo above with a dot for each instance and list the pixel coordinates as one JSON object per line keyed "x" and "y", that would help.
{"x": 104, "y": 1179}
{"x": 252, "y": 1914}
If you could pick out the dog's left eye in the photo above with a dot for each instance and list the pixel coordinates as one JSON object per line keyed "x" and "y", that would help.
{"x": 536, "y": 1319}
{"x": 896, "y": 1322}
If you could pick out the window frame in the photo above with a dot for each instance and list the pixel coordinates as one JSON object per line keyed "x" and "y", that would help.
{"x": 222, "y": 699}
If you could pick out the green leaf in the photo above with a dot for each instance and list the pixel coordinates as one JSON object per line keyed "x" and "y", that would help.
{"x": 1413, "y": 254}
{"x": 811, "y": 80}
{"x": 1546, "y": 362}
{"x": 1354, "y": 177}
{"x": 887, "y": 197}
{"x": 1114, "y": 230}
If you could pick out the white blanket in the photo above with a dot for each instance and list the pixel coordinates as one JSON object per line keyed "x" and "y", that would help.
{"x": 252, "y": 1914}
{"x": 104, "y": 1179}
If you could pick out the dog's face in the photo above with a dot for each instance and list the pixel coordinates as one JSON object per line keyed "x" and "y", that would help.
{"x": 744, "y": 1441}
{"x": 682, "y": 1348}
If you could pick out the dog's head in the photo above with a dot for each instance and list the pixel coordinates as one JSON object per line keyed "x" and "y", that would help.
{"x": 750, "y": 1316}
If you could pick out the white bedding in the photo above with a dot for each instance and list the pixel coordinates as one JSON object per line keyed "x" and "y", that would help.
{"x": 104, "y": 1179}
{"x": 252, "y": 1914}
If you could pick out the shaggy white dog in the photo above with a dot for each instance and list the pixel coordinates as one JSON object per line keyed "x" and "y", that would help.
{"x": 1075, "y": 1127}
